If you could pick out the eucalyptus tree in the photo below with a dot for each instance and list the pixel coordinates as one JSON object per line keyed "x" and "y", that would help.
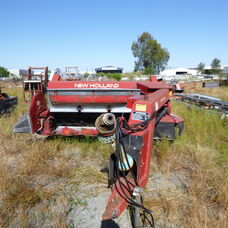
{"x": 151, "y": 57}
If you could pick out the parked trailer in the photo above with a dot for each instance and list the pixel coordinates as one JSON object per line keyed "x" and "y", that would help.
{"x": 127, "y": 115}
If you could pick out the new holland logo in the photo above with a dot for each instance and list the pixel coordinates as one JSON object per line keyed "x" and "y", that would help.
{"x": 96, "y": 85}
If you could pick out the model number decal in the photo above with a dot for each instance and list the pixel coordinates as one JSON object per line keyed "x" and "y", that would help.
{"x": 140, "y": 116}
{"x": 96, "y": 85}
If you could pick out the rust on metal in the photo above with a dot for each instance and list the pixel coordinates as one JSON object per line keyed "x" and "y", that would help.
{"x": 34, "y": 83}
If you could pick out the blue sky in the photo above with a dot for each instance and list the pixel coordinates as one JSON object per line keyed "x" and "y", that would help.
{"x": 93, "y": 33}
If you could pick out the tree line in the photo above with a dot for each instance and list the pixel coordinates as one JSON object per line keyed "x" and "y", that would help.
{"x": 4, "y": 72}
{"x": 151, "y": 58}
{"x": 215, "y": 67}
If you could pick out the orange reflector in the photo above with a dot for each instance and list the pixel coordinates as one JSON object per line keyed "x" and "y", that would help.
{"x": 68, "y": 132}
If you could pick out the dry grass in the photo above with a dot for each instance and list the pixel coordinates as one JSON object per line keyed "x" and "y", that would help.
{"x": 35, "y": 176}
{"x": 220, "y": 92}
{"x": 200, "y": 155}
{"x": 45, "y": 171}
{"x": 38, "y": 180}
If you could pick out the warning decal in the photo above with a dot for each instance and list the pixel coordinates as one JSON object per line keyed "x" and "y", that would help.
{"x": 140, "y": 107}
{"x": 140, "y": 116}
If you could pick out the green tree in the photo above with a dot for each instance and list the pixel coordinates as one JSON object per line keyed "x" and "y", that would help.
{"x": 216, "y": 67}
{"x": 4, "y": 72}
{"x": 216, "y": 64}
{"x": 86, "y": 74}
{"x": 201, "y": 67}
{"x": 116, "y": 76}
{"x": 151, "y": 57}
{"x": 102, "y": 74}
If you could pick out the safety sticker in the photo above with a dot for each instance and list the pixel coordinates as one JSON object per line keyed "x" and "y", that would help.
{"x": 140, "y": 107}
{"x": 140, "y": 116}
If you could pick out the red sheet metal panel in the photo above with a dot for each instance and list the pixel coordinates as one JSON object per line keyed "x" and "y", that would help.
{"x": 87, "y": 99}
{"x": 172, "y": 119}
{"x": 117, "y": 204}
{"x": 61, "y": 84}
{"x": 37, "y": 106}
{"x": 147, "y": 87}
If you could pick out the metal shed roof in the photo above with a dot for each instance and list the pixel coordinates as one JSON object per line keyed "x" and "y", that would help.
{"x": 108, "y": 68}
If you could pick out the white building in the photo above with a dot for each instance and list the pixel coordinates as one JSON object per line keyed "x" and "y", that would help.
{"x": 109, "y": 69}
{"x": 179, "y": 71}
{"x": 17, "y": 72}
{"x": 225, "y": 69}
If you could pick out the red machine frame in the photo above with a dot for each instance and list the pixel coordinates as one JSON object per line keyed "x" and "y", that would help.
{"x": 148, "y": 115}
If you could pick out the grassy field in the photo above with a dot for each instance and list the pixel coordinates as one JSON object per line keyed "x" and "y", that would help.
{"x": 38, "y": 179}
{"x": 201, "y": 156}
{"x": 220, "y": 92}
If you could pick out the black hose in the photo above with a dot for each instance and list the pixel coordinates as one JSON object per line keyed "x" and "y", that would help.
{"x": 119, "y": 143}
{"x": 161, "y": 114}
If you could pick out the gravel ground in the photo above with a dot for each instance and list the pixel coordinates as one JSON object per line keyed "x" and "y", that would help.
{"x": 89, "y": 210}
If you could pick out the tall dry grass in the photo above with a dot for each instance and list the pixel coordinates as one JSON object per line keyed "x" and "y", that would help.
{"x": 201, "y": 155}
{"x": 39, "y": 180}
{"x": 220, "y": 92}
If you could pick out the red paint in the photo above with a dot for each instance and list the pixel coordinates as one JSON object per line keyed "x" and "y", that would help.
{"x": 37, "y": 106}
{"x": 62, "y": 84}
{"x": 56, "y": 77}
{"x": 74, "y": 99}
{"x": 67, "y": 131}
{"x": 154, "y": 96}
{"x": 171, "y": 119}
{"x": 47, "y": 127}
{"x": 116, "y": 204}
{"x": 153, "y": 79}
{"x": 132, "y": 100}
